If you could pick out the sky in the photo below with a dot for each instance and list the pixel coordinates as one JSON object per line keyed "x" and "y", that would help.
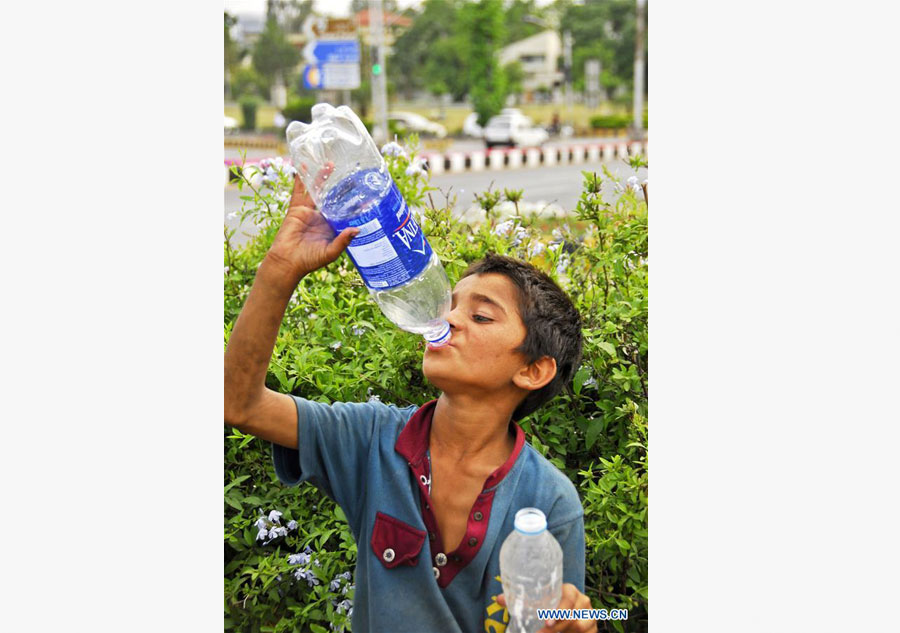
{"x": 325, "y": 7}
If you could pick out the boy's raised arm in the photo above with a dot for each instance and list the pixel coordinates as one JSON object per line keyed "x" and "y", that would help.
{"x": 304, "y": 243}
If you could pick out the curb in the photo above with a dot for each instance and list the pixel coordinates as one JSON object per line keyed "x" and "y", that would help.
{"x": 510, "y": 158}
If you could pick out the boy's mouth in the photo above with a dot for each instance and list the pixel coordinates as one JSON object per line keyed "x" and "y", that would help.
{"x": 433, "y": 348}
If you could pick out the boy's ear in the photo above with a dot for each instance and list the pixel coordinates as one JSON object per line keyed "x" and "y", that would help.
{"x": 537, "y": 374}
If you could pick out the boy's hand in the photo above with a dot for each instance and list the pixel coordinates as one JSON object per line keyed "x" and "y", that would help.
{"x": 571, "y": 599}
{"x": 305, "y": 242}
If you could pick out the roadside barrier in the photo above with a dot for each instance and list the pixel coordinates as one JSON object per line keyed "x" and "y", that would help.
{"x": 509, "y": 158}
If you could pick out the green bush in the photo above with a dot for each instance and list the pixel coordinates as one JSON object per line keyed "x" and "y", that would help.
{"x": 249, "y": 106}
{"x": 299, "y": 110}
{"x": 611, "y": 121}
{"x": 335, "y": 345}
{"x": 614, "y": 121}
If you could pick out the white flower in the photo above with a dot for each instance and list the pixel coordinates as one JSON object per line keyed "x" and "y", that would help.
{"x": 313, "y": 316}
{"x": 344, "y": 605}
{"x": 232, "y": 215}
{"x": 226, "y": 270}
{"x": 335, "y": 584}
{"x": 416, "y": 168}
{"x": 470, "y": 238}
{"x": 345, "y": 575}
{"x": 335, "y": 346}
{"x": 263, "y": 533}
{"x": 299, "y": 559}
{"x": 590, "y": 382}
{"x": 536, "y": 249}
{"x": 504, "y": 228}
{"x": 393, "y": 149}
{"x": 357, "y": 331}
{"x": 292, "y": 525}
{"x": 278, "y": 531}
{"x": 275, "y": 516}
{"x": 261, "y": 523}
{"x": 520, "y": 234}
{"x": 563, "y": 263}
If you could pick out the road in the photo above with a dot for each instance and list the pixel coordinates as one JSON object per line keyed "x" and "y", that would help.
{"x": 547, "y": 190}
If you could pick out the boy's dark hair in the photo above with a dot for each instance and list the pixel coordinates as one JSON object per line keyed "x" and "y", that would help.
{"x": 552, "y": 324}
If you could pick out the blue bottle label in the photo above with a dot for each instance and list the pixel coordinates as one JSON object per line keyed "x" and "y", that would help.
{"x": 390, "y": 248}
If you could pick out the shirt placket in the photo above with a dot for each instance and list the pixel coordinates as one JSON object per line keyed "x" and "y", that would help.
{"x": 445, "y": 565}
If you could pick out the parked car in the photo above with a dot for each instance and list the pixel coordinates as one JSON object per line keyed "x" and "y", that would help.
{"x": 470, "y": 126}
{"x": 407, "y": 122}
{"x": 513, "y": 128}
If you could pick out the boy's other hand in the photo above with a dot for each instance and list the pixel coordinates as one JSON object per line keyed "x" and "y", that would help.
{"x": 571, "y": 599}
{"x": 305, "y": 242}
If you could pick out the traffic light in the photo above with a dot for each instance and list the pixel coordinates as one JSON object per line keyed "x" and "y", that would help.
{"x": 376, "y": 65}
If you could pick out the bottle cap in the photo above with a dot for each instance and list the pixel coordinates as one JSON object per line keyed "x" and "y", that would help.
{"x": 530, "y": 521}
{"x": 440, "y": 339}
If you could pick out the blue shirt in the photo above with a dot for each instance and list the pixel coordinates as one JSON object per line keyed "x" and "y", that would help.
{"x": 373, "y": 460}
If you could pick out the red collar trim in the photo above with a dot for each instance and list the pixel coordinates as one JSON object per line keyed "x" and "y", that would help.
{"x": 413, "y": 442}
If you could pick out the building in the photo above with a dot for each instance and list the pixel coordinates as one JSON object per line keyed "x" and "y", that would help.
{"x": 538, "y": 55}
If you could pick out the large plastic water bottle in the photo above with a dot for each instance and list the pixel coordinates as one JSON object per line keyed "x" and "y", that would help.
{"x": 531, "y": 570}
{"x": 347, "y": 178}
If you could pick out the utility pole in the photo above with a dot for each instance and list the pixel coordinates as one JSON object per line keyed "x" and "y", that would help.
{"x": 638, "y": 112}
{"x": 379, "y": 81}
{"x": 567, "y": 56}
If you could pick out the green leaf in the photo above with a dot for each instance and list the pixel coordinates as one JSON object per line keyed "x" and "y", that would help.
{"x": 234, "y": 504}
{"x": 593, "y": 432}
{"x": 234, "y": 482}
{"x": 607, "y": 347}
{"x": 315, "y": 628}
{"x": 580, "y": 376}
{"x": 623, "y": 544}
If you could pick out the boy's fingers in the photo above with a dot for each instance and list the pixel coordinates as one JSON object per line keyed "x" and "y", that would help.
{"x": 323, "y": 174}
{"x": 341, "y": 242}
{"x": 300, "y": 196}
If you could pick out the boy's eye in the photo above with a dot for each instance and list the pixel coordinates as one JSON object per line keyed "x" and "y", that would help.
{"x": 480, "y": 319}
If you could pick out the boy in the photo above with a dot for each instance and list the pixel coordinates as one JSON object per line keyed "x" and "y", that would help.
{"x": 430, "y": 493}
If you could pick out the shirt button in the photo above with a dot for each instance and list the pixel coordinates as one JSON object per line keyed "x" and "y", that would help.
{"x": 441, "y": 559}
{"x": 478, "y": 516}
{"x": 473, "y": 541}
{"x": 437, "y": 573}
{"x": 388, "y": 555}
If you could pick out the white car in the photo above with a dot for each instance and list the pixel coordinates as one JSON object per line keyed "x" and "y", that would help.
{"x": 514, "y": 129}
{"x": 411, "y": 122}
{"x": 470, "y": 126}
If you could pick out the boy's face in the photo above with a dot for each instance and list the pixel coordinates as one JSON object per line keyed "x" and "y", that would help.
{"x": 486, "y": 329}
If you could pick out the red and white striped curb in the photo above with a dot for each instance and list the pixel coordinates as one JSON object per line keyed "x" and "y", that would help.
{"x": 510, "y": 158}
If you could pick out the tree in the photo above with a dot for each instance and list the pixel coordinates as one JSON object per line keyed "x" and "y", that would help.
{"x": 605, "y": 31}
{"x": 273, "y": 55}
{"x": 516, "y": 26}
{"x": 483, "y": 21}
{"x": 430, "y": 54}
{"x": 232, "y": 53}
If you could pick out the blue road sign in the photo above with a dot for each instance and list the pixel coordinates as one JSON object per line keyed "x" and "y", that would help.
{"x": 336, "y": 51}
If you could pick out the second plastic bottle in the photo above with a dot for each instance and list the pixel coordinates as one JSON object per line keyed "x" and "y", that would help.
{"x": 531, "y": 571}
{"x": 346, "y": 176}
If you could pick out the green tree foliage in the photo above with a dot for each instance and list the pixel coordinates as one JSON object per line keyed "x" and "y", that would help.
{"x": 273, "y": 55}
{"x": 483, "y": 21}
{"x": 605, "y": 31}
{"x": 517, "y": 28}
{"x": 431, "y": 53}
{"x": 335, "y": 345}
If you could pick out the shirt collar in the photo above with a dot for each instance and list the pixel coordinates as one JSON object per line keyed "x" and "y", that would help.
{"x": 412, "y": 443}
